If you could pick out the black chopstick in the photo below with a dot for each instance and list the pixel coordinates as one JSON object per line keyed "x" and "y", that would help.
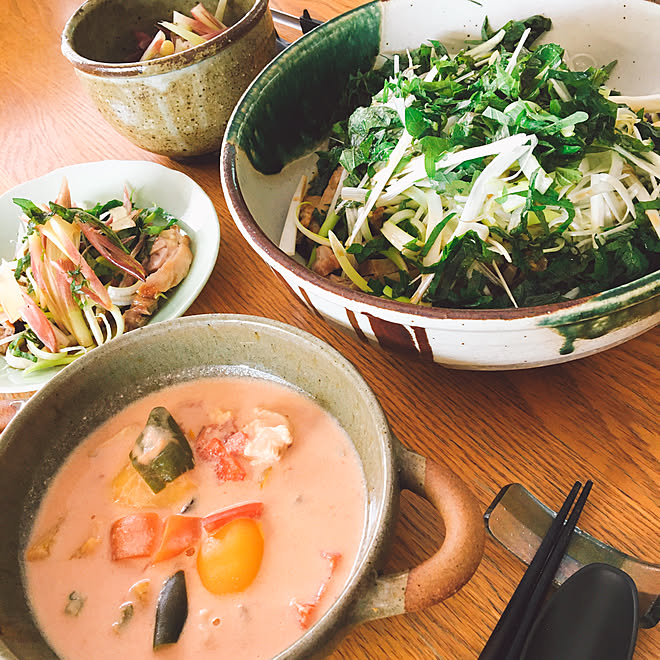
{"x": 547, "y": 576}
{"x": 508, "y": 635}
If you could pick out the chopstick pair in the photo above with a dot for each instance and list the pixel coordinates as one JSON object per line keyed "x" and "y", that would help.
{"x": 509, "y": 635}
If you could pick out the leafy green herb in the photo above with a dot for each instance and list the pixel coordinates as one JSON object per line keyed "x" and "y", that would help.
{"x": 511, "y": 179}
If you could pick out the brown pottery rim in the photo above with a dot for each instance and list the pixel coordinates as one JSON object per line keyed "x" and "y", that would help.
{"x": 162, "y": 64}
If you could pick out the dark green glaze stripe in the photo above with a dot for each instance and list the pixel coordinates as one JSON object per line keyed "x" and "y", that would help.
{"x": 603, "y": 325}
{"x": 608, "y": 311}
{"x": 292, "y": 104}
{"x": 626, "y": 295}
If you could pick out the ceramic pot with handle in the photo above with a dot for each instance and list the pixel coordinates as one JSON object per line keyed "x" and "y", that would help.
{"x": 90, "y": 390}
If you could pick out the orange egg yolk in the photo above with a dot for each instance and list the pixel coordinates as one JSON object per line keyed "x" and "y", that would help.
{"x": 229, "y": 559}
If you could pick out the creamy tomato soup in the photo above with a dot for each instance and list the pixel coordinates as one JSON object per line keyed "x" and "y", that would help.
{"x": 255, "y": 525}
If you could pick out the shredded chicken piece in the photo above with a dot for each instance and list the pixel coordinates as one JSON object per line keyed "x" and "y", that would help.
{"x": 168, "y": 263}
{"x": 378, "y": 268}
{"x": 268, "y": 437}
{"x": 307, "y": 209}
{"x": 313, "y": 203}
{"x": 330, "y": 189}
{"x": 376, "y": 218}
{"x": 325, "y": 261}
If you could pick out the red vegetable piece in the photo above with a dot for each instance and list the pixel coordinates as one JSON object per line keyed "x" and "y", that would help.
{"x": 135, "y": 535}
{"x": 202, "y": 14}
{"x": 112, "y": 252}
{"x": 305, "y": 611}
{"x": 181, "y": 533}
{"x": 211, "y": 446}
{"x": 227, "y": 468}
{"x": 236, "y": 442}
{"x": 95, "y": 284}
{"x": 153, "y": 49}
{"x": 212, "y": 438}
{"x": 61, "y": 270}
{"x": 214, "y": 521}
{"x": 38, "y": 321}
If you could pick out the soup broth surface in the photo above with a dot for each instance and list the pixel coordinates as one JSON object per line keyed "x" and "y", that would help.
{"x": 313, "y": 513}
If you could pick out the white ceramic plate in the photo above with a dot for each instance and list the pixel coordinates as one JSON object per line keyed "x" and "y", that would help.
{"x": 151, "y": 184}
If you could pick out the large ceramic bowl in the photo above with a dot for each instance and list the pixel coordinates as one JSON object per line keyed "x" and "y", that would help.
{"x": 93, "y": 388}
{"x": 177, "y": 106}
{"x": 287, "y": 112}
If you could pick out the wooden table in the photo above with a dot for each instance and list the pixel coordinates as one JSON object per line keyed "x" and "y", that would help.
{"x": 594, "y": 418}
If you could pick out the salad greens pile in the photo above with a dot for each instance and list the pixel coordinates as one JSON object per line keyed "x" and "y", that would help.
{"x": 491, "y": 178}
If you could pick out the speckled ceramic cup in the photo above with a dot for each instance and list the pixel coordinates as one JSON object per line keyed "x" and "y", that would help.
{"x": 179, "y": 105}
{"x": 93, "y": 388}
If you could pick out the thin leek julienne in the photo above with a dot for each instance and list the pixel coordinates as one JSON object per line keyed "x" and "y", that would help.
{"x": 83, "y": 277}
{"x": 491, "y": 178}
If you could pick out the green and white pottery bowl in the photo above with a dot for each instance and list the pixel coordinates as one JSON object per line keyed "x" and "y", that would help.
{"x": 287, "y": 113}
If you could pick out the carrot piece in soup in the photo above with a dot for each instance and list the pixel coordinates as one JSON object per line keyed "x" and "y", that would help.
{"x": 212, "y": 439}
{"x": 227, "y": 468}
{"x": 235, "y": 443}
{"x": 181, "y": 533}
{"x": 135, "y": 535}
{"x": 214, "y": 521}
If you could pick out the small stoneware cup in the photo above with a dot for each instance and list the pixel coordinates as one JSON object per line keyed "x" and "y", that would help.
{"x": 93, "y": 388}
{"x": 178, "y": 105}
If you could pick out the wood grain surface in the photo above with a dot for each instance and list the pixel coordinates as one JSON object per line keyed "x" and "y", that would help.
{"x": 593, "y": 418}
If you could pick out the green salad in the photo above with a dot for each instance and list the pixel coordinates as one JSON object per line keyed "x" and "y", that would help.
{"x": 495, "y": 177}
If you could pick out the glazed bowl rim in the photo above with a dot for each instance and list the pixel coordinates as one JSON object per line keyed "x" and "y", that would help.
{"x": 553, "y": 314}
{"x": 174, "y": 62}
{"x": 379, "y": 515}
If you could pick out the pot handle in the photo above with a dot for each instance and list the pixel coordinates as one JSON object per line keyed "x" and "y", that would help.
{"x": 454, "y": 563}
